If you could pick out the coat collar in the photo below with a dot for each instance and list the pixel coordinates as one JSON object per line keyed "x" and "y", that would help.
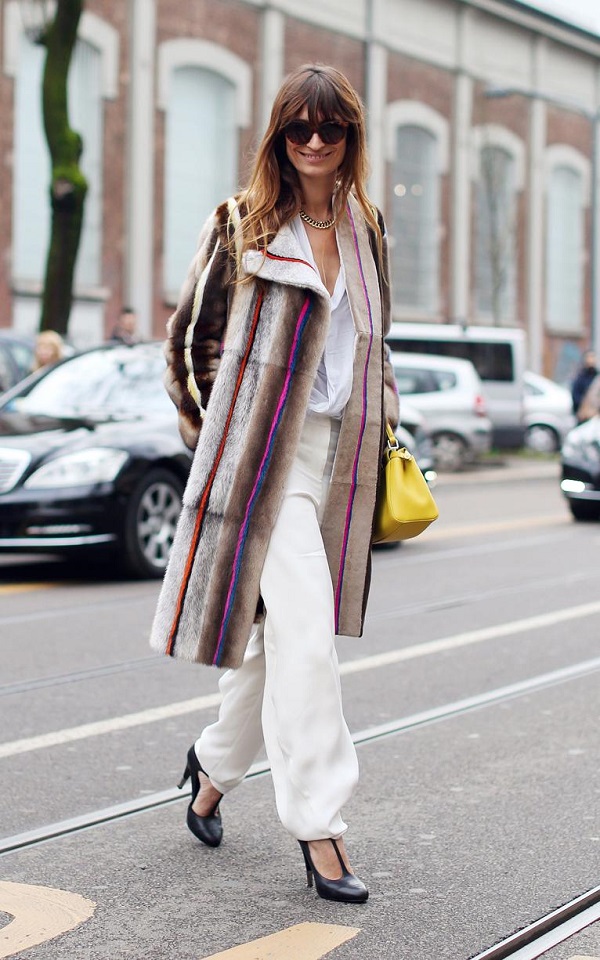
{"x": 284, "y": 262}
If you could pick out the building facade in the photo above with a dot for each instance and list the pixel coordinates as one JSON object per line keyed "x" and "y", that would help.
{"x": 483, "y": 133}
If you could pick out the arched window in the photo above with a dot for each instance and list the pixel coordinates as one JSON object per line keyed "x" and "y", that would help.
{"x": 414, "y": 240}
{"x": 31, "y": 205}
{"x": 496, "y": 234}
{"x": 565, "y": 249}
{"x": 201, "y": 161}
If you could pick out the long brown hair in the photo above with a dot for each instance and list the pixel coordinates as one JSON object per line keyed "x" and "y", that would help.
{"x": 272, "y": 196}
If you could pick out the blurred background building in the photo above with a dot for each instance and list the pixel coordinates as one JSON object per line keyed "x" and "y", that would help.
{"x": 483, "y": 129}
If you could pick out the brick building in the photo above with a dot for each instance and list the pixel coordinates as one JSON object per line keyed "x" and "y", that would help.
{"x": 482, "y": 127}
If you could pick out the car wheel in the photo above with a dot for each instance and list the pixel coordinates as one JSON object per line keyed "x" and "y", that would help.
{"x": 582, "y": 510}
{"x": 449, "y": 451}
{"x": 541, "y": 438}
{"x": 150, "y": 522}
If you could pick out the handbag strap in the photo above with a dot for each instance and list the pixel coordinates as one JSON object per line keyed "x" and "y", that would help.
{"x": 391, "y": 437}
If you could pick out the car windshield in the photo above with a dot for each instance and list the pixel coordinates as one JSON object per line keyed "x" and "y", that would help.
{"x": 119, "y": 382}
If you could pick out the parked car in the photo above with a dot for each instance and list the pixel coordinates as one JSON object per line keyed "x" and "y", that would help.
{"x": 580, "y": 459}
{"x": 91, "y": 460}
{"x": 548, "y": 413}
{"x": 449, "y": 393}
{"x": 16, "y": 358}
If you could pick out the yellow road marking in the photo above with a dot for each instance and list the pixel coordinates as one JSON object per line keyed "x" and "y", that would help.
{"x": 39, "y": 914}
{"x": 495, "y": 526}
{"x": 25, "y": 587}
{"x": 311, "y": 941}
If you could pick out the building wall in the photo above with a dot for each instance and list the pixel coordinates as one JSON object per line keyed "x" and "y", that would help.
{"x": 425, "y": 52}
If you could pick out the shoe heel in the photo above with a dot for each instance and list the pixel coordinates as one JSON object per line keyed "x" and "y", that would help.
{"x": 307, "y": 863}
{"x": 186, "y": 776}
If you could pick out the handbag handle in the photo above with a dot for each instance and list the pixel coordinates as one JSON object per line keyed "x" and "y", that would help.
{"x": 391, "y": 437}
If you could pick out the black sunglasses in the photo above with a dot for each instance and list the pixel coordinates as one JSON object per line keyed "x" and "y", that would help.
{"x": 300, "y": 132}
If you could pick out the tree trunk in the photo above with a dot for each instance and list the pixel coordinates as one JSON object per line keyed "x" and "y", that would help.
{"x": 69, "y": 186}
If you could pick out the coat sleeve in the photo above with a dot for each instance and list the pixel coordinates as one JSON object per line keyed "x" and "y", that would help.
{"x": 391, "y": 401}
{"x": 196, "y": 331}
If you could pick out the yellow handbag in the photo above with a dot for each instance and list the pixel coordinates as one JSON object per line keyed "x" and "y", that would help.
{"x": 405, "y": 506}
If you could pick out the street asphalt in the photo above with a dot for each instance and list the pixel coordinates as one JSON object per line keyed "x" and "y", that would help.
{"x": 465, "y": 827}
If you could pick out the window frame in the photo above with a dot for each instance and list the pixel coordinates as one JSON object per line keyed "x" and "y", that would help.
{"x": 564, "y": 156}
{"x": 495, "y": 136}
{"x": 411, "y": 113}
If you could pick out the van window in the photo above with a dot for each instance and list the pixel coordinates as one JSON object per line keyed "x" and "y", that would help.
{"x": 493, "y": 361}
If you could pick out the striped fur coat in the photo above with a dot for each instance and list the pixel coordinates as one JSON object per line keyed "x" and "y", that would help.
{"x": 242, "y": 359}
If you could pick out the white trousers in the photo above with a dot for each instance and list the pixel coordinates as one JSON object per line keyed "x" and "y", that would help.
{"x": 287, "y": 690}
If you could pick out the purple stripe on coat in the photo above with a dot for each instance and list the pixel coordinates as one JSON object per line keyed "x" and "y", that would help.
{"x": 260, "y": 477}
{"x": 354, "y": 479}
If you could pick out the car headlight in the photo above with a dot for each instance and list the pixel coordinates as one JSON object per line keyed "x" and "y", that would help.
{"x": 96, "y": 465}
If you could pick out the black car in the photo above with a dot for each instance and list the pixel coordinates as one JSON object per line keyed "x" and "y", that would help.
{"x": 16, "y": 358}
{"x": 580, "y": 459}
{"x": 91, "y": 460}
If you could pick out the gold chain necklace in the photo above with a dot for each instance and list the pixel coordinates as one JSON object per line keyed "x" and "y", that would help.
{"x": 317, "y": 224}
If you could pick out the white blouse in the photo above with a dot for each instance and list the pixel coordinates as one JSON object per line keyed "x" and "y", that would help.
{"x": 333, "y": 382}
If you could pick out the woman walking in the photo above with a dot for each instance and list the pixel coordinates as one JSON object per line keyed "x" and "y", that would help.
{"x": 277, "y": 365}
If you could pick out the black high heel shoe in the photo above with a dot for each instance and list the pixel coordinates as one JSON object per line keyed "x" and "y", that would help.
{"x": 348, "y": 889}
{"x": 209, "y": 828}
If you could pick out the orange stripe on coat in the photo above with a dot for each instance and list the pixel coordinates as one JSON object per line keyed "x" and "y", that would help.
{"x": 206, "y": 494}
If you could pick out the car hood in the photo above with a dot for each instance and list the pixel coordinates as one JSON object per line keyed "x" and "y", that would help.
{"x": 45, "y": 436}
{"x": 586, "y": 432}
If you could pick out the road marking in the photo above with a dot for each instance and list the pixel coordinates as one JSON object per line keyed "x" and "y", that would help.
{"x": 495, "y": 526}
{"x": 311, "y": 941}
{"x": 125, "y": 722}
{"x": 25, "y": 587}
{"x": 155, "y": 714}
{"x": 39, "y": 914}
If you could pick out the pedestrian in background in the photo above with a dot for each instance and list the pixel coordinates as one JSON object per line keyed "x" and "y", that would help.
{"x": 277, "y": 363}
{"x": 586, "y": 373}
{"x": 125, "y": 329}
{"x": 49, "y": 348}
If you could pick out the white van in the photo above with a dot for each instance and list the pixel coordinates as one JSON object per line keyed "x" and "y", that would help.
{"x": 498, "y": 355}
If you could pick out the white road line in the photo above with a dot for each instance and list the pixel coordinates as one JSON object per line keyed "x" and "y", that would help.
{"x": 182, "y": 707}
{"x": 69, "y": 734}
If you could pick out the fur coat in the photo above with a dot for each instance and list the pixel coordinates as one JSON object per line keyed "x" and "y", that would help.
{"x": 241, "y": 362}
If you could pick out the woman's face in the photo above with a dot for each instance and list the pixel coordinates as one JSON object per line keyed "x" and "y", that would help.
{"x": 46, "y": 352}
{"x": 315, "y": 159}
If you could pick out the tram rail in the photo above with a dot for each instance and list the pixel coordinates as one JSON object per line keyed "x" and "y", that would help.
{"x": 548, "y": 931}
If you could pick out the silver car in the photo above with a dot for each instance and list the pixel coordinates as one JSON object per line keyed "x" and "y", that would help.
{"x": 450, "y": 394}
{"x": 548, "y": 413}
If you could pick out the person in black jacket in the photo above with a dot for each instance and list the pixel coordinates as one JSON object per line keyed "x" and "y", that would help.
{"x": 587, "y": 372}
